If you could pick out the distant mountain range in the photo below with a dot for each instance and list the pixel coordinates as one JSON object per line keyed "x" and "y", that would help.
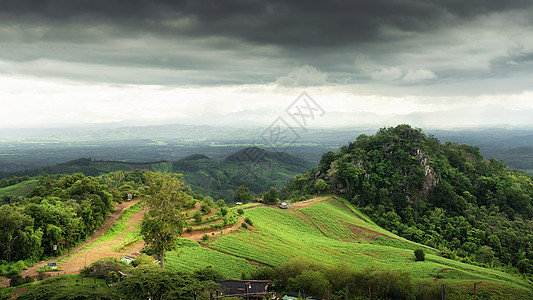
{"x": 253, "y": 167}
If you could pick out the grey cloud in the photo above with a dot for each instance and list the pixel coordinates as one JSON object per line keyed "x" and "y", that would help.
{"x": 245, "y": 41}
{"x": 296, "y": 23}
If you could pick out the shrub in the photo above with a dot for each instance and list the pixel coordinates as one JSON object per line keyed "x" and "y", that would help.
{"x": 142, "y": 259}
{"x": 16, "y": 278}
{"x": 205, "y": 237}
{"x": 244, "y": 225}
{"x": 419, "y": 255}
{"x": 223, "y": 211}
{"x": 101, "y": 268}
{"x": 205, "y": 208}
{"x": 249, "y": 221}
{"x": 198, "y": 216}
{"x": 240, "y": 211}
{"x": 189, "y": 228}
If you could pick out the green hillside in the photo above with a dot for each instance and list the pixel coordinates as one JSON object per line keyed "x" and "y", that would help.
{"x": 255, "y": 168}
{"x": 19, "y": 189}
{"x": 331, "y": 232}
{"x": 252, "y": 167}
{"x": 443, "y": 195}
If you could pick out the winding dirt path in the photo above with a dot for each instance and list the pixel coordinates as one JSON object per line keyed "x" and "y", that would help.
{"x": 119, "y": 209}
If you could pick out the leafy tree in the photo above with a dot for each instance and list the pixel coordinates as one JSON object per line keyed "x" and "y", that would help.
{"x": 163, "y": 223}
{"x": 242, "y": 194}
{"x": 18, "y": 240}
{"x": 271, "y": 196}
{"x": 197, "y": 217}
{"x": 309, "y": 282}
{"x": 321, "y": 186}
{"x": 224, "y": 211}
{"x": 419, "y": 255}
{"x": 249, "y": 221}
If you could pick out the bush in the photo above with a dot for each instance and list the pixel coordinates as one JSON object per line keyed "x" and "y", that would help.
{"x": 197, "y": 217}
{"x": 16, "y": 278}
{"x": 240, "y": 211}
{"x": 244, "y": 225}
{"x": 223, "y": 211}
{"x": 205, "y": 237}
{"x": 249, "y": 221}
{"x": 205, "y": 208}
{"x": 142, "y": 259}
{"x": 101, "y": 268}
{"x": 419, "y": 255}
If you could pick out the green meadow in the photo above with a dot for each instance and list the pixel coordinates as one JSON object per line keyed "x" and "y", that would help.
{"x": 329, "y": 233}
{"x": 20, "y": 189}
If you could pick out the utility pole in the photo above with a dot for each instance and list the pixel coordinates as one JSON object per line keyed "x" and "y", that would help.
{"x": 443, "y": 291}
{"x": 475, "y": 289}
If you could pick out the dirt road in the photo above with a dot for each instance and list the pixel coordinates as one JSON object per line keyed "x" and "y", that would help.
{"x": 119, "y": 209}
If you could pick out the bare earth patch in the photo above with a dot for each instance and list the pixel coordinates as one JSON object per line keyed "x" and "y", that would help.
{"x": 79, "y": 255}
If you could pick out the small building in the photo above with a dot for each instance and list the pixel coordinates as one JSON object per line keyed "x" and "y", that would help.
{"x": 254, "y": 288}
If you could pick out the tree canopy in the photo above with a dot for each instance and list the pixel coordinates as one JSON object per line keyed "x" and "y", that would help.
{"x": 165, "y": 197}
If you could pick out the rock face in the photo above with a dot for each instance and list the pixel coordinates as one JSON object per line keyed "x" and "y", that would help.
{"x": 431, "y": 178}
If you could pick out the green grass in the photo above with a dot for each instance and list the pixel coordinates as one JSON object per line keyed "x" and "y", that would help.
{"x": 120, "y": 226}
{"x": 20, "y": 189}
{"x": 331, "y": 232}
{"x": 194, "y": 257}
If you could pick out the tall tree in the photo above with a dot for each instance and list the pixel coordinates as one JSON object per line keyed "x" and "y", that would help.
{"x": 163, "y": 223}
{"x": 242, "y": 194}
{"x": 271, "y": 196}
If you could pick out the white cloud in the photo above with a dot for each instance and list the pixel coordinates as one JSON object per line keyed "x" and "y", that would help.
{"x": 305, "y": 75}
{"x": 419, "y": 75}
{"x": 391, "y": 73}
{"x": 376, "y": 71}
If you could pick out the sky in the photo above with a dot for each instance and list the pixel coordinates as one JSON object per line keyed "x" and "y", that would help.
{"x": 431, "y": 63}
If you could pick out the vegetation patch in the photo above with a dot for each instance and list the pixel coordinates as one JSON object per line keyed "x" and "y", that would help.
{"x": 193, "y": 257}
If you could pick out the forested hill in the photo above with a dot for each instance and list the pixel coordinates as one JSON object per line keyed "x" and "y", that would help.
{"x": 443, "y": 195}
{"x": 253, "y": 167}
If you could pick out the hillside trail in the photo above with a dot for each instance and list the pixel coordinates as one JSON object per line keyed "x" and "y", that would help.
{"x": 106, "y": 248}
{"x": 197, "y": 235}
{"x": 119, "y": 209}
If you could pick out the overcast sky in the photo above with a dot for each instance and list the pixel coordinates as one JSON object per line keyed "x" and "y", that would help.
{"x": 433, "y": 63}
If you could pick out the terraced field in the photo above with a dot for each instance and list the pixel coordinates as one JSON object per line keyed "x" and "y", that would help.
{"x": 329, "y": 232}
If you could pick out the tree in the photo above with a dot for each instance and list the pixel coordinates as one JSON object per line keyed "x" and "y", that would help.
{"x": 271, "y": 196}
{"x": 242, "y": 194}
{"x": 321, "y": 186}
{"x": 419, "y": 255}
{"x": 163, "y": 223}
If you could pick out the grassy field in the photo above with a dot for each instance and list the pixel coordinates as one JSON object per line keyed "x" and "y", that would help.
{"x": 331, "y": 232}
{"x": 191, "y": 256}
{"x": 20, "y": 189}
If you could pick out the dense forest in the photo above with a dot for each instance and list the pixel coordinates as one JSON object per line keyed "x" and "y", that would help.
{"x": 60, "y": 212}
{"x": 442, "y": 195}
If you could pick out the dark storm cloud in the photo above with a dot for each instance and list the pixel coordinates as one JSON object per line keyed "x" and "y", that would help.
{"x": 301, "y": 23}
